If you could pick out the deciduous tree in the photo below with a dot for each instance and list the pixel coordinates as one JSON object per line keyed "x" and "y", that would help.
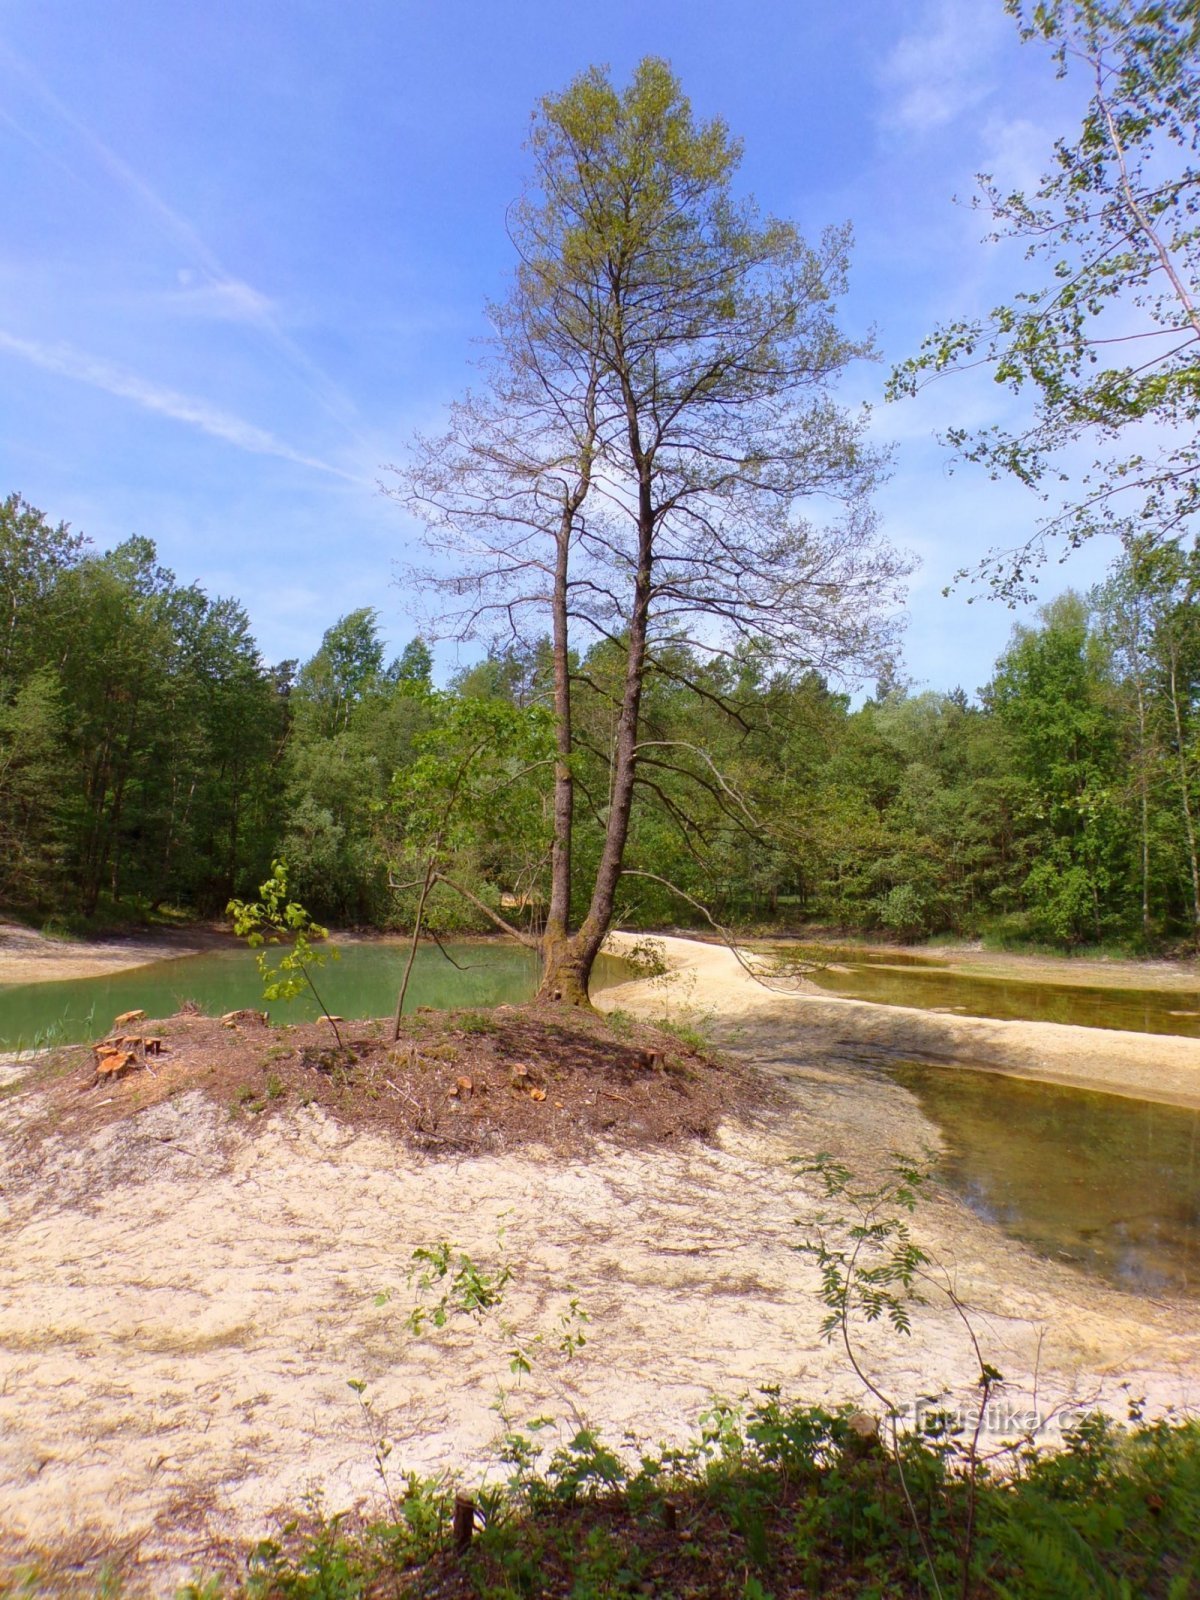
{"x": 659, "y": 410}
{"x": 1107, "y": 347}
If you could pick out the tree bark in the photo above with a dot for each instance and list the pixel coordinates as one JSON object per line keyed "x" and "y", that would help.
{"x": 565, "y": 977}
{"x": 558, "y": 915}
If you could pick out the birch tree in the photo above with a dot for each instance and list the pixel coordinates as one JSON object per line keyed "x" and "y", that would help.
{"x": 1107, "y": 347}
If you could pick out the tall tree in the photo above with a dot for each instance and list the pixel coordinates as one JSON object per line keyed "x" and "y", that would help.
{"x": 660, "y": 407}
{"x": 1108, "y": 348}
{"x": 1126, "y": 609}
{"x": 1051, "y": 692}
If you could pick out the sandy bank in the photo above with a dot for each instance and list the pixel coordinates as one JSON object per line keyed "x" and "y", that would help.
{"x": 710, "y": 980}
{"x": 183, "y": 1301}
{"x": 1080, "y": 971}
{"x": 27, "y": 956}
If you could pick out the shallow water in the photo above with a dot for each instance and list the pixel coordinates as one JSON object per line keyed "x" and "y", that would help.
{"x": 1109, "y": 1183}
{"x": 931, "y": 988}
{"x": 362, "y": 983}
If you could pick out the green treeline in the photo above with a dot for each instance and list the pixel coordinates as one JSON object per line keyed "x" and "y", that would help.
{"x": 149, "y": 759}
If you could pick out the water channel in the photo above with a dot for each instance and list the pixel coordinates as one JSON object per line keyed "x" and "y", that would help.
{"x": 900, "y": 979}
{"x": 1108, "y": 1183}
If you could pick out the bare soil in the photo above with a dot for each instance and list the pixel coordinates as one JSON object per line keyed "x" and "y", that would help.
{"x": 454, "y": 1083}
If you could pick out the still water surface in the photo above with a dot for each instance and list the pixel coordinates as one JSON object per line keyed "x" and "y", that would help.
{"x": 1109, "y": 1183}
{"x": 363, "y": 983}
{"x": 932, "y": 988}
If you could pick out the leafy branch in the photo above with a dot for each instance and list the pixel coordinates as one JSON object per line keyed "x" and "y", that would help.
{"x": 273, "y": 920}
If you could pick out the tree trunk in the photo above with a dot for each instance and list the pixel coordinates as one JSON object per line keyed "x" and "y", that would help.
{"x": 556, "y": 936}
{"x": 568, "y": 965}
{"x": 1144, "y": 797}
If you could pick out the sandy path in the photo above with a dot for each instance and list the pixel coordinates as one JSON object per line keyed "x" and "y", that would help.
{"x": 181, "y": 1306}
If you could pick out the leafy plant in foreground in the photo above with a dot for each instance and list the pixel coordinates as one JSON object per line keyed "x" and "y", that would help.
{"x": 274, "y": 920}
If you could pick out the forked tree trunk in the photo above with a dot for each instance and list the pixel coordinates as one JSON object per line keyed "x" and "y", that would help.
{"x": 567, "y": 965}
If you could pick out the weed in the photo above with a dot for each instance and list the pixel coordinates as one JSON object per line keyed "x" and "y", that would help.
{"x": 469, "y": 1290}
{"x": 620, "y": 1022}
{"x": 770, "y": 1500}
{"x": 690, "y": 1033}
{"x": 327, "y": 1564}
{"x": 245, "y": 1099}
{"x": 201, "y": 1588}
{"x": 476, "y": 1022}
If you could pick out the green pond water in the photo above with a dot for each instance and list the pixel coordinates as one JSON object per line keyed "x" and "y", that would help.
{"x": 1109, "y": 1183}
{"x": 363, "y": 983}
{"x": 932, "y": 988}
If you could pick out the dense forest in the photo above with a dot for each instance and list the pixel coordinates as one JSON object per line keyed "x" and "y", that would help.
{"x": 151, "y": 761}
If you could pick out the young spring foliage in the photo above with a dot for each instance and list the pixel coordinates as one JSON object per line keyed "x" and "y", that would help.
{"x": 272, "y": 921}
{"x": 1107, "y": 345}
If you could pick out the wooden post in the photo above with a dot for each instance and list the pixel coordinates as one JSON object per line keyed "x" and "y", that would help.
{"x": 464, "y": 1521}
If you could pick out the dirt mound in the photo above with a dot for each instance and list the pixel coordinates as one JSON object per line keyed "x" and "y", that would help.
{"x": 454, "y": 1083}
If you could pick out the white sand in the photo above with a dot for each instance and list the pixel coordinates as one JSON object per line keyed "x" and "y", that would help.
{"x": 181, "y": 1307}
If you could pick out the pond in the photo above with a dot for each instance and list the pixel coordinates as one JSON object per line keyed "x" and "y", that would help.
{"x": 930, "y": 987}
{"x": 1109, "y": 1183}
{"x": 363, "y": 983}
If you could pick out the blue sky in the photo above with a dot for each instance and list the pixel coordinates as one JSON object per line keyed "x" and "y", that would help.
{"x": 248, "y": 249}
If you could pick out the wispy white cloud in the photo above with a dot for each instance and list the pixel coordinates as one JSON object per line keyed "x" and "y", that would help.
{"x": 68, "y": 362}
{"x": 938, "y": 69}
{"x": 1015, "y": 152}
{"x": 223, "y": 300}
{"x": 223, "y": 287}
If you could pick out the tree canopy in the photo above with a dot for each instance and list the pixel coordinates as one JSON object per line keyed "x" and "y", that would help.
{"x": 1107, "y": 345}
{"x": 658, "y": 414}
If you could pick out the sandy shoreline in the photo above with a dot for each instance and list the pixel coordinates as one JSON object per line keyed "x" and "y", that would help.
{"x": 182, "y": 1302}
{"x": 27, "y": 956}
{"x": 710, "y": 980}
